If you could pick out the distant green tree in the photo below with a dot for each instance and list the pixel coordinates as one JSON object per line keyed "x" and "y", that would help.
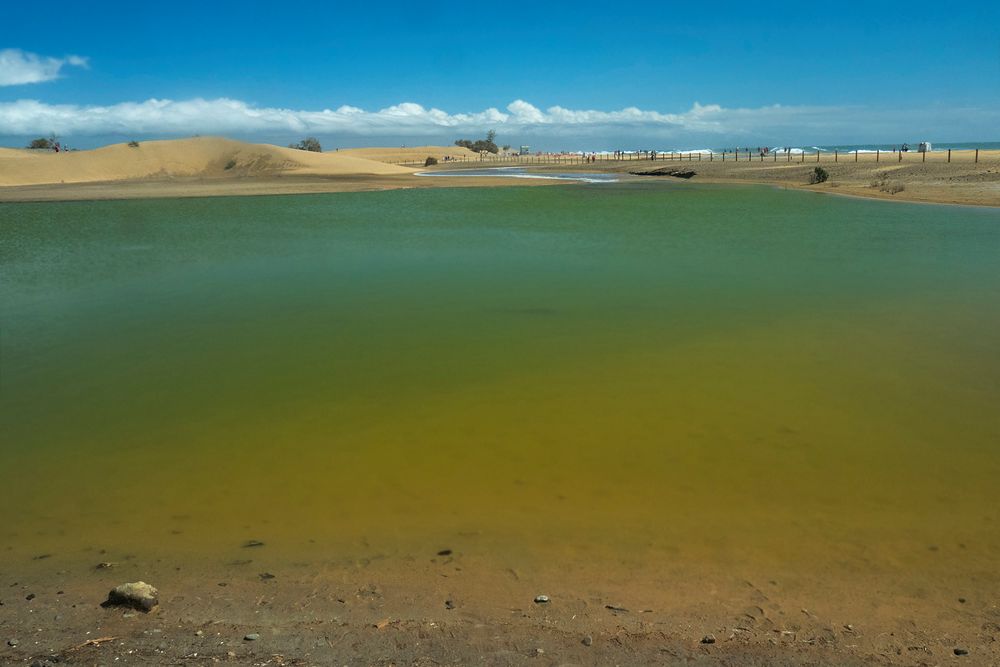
{"x": 44, "y": 142}
{"x": 308, "y": 144}
{"x": 486, "y": 145}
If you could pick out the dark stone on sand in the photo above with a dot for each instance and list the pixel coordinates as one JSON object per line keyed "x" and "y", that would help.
{"x": 12, "y": 642}
{"x": 252, "y": 637}
{"x": 444, "y": 552}
{"x": 708, "y": 639}
{"x": 448, "y": 604}
{"x": 588, "y": 641}
{"x": 961, "y": 651}
{"x": 137, "y": 595}
{"x": 613, "y": 607}
{"x": 666, "y": 171}
{"x": 541, "y": 599}
{"x": 962, "y": 600}
{"x": 42, "y": 557}
{"x": 29, "y": 596}
{"x": 264, "y": 576}
{"x": 252, "y": 543}
{"x": 104, "y": 566}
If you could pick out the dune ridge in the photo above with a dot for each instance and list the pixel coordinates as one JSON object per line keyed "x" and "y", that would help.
{"x": 204, "y": 157}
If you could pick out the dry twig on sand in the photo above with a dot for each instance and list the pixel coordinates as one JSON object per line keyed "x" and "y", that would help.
{"x": 92, "y": 642}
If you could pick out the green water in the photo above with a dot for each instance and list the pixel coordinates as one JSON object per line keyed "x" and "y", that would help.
{"x": 727, "y": 373}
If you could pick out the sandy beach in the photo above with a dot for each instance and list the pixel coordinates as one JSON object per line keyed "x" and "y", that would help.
{"x": 454, "y": 604}
{"x": 207, "y": 167}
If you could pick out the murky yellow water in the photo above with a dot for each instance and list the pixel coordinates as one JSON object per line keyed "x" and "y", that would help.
{"x": 719, "y": 374}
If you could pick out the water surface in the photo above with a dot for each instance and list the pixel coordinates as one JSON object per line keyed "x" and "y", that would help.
{"x": 722, "y": 373}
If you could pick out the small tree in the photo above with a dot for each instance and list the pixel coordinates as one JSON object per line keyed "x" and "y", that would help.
{"x": 308, "y": 144}
{"x": 818, "y": 175}
{"x": 133, "y": 144}
{"x": 430, "y": 161}
{"x": 46, "y": 143}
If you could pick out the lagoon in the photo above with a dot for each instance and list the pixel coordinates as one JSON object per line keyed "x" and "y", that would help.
{"x": 727, "y": 375}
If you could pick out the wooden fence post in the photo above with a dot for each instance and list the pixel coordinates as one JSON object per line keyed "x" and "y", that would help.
{"x": 924, "y": 158}
{"x": 977, "y": 156}
{"x": 855, "y": 154}
{"x": 949, "y": 155}
{"x": 876, "y": 155}
{"x": 836, "y": 156}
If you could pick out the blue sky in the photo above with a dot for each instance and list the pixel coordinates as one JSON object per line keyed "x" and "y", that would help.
{"x": 798, "y": 73}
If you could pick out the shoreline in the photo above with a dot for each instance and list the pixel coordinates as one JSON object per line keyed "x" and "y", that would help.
{"x": 212, "y": 167}
{"x": 323, "y": 607}
{"x": 295, "y": 185}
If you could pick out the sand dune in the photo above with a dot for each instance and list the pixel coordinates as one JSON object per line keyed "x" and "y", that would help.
{"x": 206, "y": 157}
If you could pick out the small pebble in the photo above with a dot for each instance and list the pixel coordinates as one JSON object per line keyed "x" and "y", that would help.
{"x": 448, "y": 604}
{"x": 708, "y": 639}
{"x": 961, "y": 651}
{"x": 962, "y": 600}
{"x": 444, "y": 552}
{"x": 11, "y": 642}
{"x": 199, "y": 633}
{"x": 541, "y": 599}
{"x": 588, "y": 641}
{"x": 252, "y": 637}
{"x": 252, "y": 543}
{"x": 29, "y": 596}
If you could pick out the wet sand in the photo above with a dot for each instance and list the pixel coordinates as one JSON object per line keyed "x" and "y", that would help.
{"x": 466, "y": 607}
{"x": 250, "y": 186}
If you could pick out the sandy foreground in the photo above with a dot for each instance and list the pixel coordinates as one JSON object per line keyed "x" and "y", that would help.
{"x": 454, "y": 604}
{"x": 205, "y": 167}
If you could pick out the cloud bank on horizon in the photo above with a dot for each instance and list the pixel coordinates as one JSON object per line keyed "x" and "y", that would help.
{"x": 19, "y": 67}
{"x": 519, "y": 121}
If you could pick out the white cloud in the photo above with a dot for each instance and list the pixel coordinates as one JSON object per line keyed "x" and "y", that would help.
{"x": 19, "y": 67}
{"x": 520, "y": 120}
